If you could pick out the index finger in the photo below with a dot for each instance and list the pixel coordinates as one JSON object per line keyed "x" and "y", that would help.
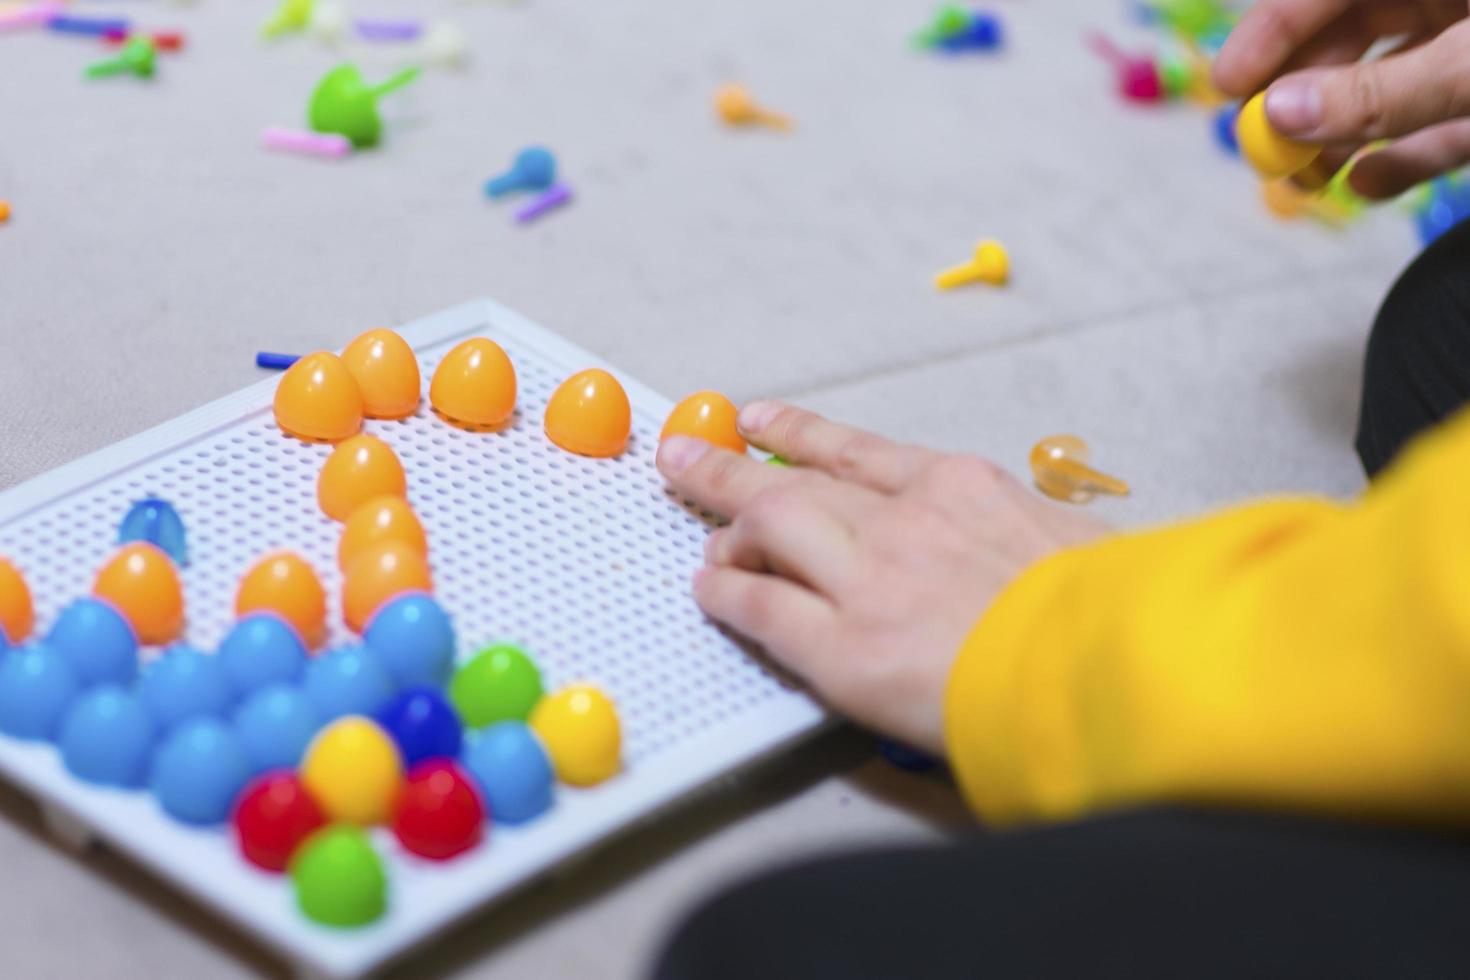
{"x": 716, "y": 478}
{"x": 1266, "y": 38}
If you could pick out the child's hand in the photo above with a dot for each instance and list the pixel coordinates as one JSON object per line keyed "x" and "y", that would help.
{"x": 1420, "y": 92}
{"x": 863, "y": 567}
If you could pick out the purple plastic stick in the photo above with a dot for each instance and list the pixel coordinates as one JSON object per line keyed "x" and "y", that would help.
{"x": 388, "y": 30}
{"x": 36, "y": 15}
{"x": 555, "y": 197}
{"x": 300, "y": 141}
{"x": 275, "y": 362}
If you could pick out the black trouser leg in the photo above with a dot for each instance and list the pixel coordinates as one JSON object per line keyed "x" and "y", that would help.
{"x": 1149, "y": 894}
{"x": 1417, "y": 369}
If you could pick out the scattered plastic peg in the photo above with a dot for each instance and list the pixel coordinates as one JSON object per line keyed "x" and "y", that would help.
{"x": 950, "y": 21}
{"x": 384, "y": 29}
{"x": 1444, "y": 203}
{"x": 4, "y": 211}
{"x": 136, "y": 58}
{"x": 982, "y": 33}
{"x": 533, "y": 169}
{"x": 1272, "y": 154}
{"x": 275, "y": 362}
{"x": 1194, "y": 20}
{"x": 290, "y": 17}
{"x": 1059, "y": 467}
{"x": 162, "y": 40}
{"x": 33, "y": 15}
{"x": 444, "y": 45}
{"x": 343, "y": 103}
{"x": 88, "y": 26}
{"x": 1138, "y": 79}
{"x": 990, "y": 264}
{"x": 554, "y": 198}
{"x": 331, "y": 145}
{"x": 331, "y": 23}
{"x": 736, "y": 107}
{"x": 1224, "y": 126}
{"x": 156, "y": 522}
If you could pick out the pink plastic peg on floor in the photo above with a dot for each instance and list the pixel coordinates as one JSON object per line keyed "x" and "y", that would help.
{"x": 311, "y": 144}
{"x": 35, "y": 15}
{"x": 1138, "y": 78}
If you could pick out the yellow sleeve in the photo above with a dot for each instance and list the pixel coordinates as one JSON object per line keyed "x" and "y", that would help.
{"x": 1292, "y": 654}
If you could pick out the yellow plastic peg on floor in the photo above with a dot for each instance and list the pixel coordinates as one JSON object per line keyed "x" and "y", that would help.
{"x": 990, "y": 264}
{"x": 735, "y": 106}
{"x": 1059, "y": 466}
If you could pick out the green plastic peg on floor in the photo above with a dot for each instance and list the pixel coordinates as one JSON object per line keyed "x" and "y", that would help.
{"x": 290, "y": 17}
{"x": 137, "y": 57}
{"x": 343, "y": 103}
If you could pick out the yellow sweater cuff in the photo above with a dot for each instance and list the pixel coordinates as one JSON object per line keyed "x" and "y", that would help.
{"x": 1005, "y": 720}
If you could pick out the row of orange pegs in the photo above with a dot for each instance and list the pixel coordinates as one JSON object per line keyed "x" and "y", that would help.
{"x": 324, "y": 397}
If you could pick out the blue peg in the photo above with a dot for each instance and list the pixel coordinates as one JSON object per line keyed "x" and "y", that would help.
{"x": 156, "y": 522}
{"x": 88, "y": 26}
{"x": 534, "y": 169}
{"x": 984, "y": 33}
{"x": 275, "y": 362}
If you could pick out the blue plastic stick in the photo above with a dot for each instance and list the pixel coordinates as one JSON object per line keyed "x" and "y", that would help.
{"x": 275, "y": 362}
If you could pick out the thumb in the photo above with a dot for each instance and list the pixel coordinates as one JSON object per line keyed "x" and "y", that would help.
{"x": 1373, "y": 100}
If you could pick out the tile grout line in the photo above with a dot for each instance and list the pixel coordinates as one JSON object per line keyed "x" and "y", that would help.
{"x": 1188, "y": 301}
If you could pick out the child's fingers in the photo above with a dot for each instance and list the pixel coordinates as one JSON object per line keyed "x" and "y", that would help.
{"x": 715, "y": 478}
{"x": 793, "y": 534}
{"x": 1426, "y": 154}
{"x": 1376, "y": 99}
{"x": 839, "y": 450}
{"x": 791, "y": 622}
{"x": 1267, "y": 37}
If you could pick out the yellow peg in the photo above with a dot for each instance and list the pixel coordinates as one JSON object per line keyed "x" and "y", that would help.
{"x": 990, "y": 263}
{"x": 1272, "y": 154}
{"x": 1059, "y": 466}
{"x": 736, "y": 107}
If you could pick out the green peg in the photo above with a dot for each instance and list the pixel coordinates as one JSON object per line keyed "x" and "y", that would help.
{"x": 949, "y": 21}
{"x": 343, "y": 103}
{"x": 1176, "y": 75}
{"x": 290, "y": 16}
{"x": 136, "y": 57}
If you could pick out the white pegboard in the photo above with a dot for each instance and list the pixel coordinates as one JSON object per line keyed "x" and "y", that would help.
{"x": 584, "y": 562}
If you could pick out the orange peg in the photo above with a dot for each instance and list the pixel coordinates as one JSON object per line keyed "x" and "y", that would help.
{"x": 589, "y": 414}
{"x": 475, "y": 384}
{"x": 318, "y": 399}
{"x": 383, "y": 570}
{"x": 359, "y": 469}
{"x": 17, "y": 612}
{"x": 387, "y": 374}
{"x": 706, "y": 415}
{"x": 284, "y": 584}
{"x": 736, "y": 107}
{"x": 142, "y": 583}
{"x": 1059, "y": 466}
{"x": 385, "y": 518}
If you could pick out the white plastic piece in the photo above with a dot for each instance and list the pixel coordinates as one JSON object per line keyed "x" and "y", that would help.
{"x": 585, "y": 562}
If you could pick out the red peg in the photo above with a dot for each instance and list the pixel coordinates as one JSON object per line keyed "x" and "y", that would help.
{"x": 274, "y": 815}
{"x": 1138, "y": 78}
{"x": 439, "y": 813}
{"x": 162, "y": 40}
